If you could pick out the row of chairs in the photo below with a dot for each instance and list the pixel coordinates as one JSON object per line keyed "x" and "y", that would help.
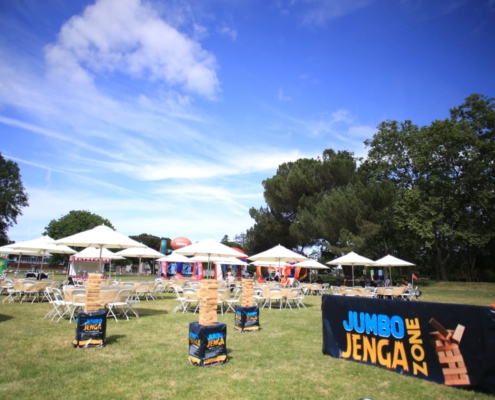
{"x": 295, "y": 295}
{"x": 188, "y": 298}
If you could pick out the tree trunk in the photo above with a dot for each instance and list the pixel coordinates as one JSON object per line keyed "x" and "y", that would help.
{"x": 441, "y": 261}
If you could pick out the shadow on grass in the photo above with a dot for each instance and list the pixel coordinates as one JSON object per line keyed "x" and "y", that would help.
{"x": 114, "y": 339}
{"x": 148, "y": 312}
{"x": 4, "y": 318}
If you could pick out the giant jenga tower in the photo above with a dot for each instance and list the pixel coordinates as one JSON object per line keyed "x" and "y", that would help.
{"x": 247, "y": 293}
{"x": 446, "y": 343}
{"x": 208, "y": 298}
{"x": 208, "y": 338}
{"x": 247, "y": 315}
{"x": 93, "y": 293}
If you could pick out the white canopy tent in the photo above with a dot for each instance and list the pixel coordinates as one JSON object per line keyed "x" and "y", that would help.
{"x": 88, "y": 260}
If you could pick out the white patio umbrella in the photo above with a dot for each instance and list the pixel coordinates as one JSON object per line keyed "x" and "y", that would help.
{"x": 44, "y": 245}
{"x": 278, "y": 255}
{"x": 311, "y": 264}
{"x": 100, "y": 237}
{"x": 352, "y": 259}
{"x": 391, "y": 261}
{"x": 272, "y": 264}
{"x": 209, "y": 248}
{"x": 19, "y": 252}
{"x": 219, "y": 260}
{"x": 141, "y": 252}
{"x": 175, "y": 257}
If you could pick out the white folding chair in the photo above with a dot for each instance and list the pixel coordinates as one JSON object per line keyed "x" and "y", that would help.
{"x": 190, "y": 298}
{"x": 180, "y": 298}
{"x": 122, "y": 304}
{"x": 232, "y": 301}
{"x": 78, "y": 300}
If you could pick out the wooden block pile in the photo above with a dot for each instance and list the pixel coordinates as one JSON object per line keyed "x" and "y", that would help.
{"x": 208, "y": 297}
{"x": 446, "y": 343}
{"x": 93, "y": 293}
{"x": 247, "y": 293}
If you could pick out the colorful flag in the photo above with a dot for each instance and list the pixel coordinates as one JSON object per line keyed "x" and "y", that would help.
{"x": 415, "y": 277}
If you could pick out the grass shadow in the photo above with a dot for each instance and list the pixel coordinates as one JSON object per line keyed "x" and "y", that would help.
{"x": 4, "y": 318}
{"x": 114, "y": 339}
{"x": 147, "y": 312}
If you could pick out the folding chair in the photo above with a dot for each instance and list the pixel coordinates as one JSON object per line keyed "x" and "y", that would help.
{"x": 121, "y": 302}
{"x": 180, "y": 298}
{"x": 232, "y": 301}
{"x": 190, "y": 297}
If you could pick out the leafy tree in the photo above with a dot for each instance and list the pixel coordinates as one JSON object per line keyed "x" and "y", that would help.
{"x": 12, "y": 197}
{"x": 70, "y": 224}
{"x": 151, "y": 240}
{"x": 292, "y": 195}
{"x": 445, "y": 179}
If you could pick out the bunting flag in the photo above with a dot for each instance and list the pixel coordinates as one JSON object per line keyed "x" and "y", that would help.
{"x": 4, "y": 259}
{"x": 199, "y": 269}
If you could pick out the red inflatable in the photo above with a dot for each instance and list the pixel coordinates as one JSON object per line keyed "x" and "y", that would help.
{"x": 180, "y": 242}
{"x": 242, "y": 253}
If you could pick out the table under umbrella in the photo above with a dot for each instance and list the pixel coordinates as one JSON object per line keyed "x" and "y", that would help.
{"x": 141, "y": 252}
{"x": 44, "y": 245}
{"x": 391, "y": 261}
{"x": 209, "y": 248}
{"x": 19, "y": 252}
{"x": 352, "y": 259}
{"x": 311, "y": 264}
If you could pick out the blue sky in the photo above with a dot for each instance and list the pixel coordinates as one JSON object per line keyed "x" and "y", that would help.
{"x": 166, "y": 116}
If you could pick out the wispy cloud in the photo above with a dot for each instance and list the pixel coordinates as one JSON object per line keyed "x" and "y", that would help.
{"x": 282, "y": 96}
{"x": 317, "y": 13}
{"x": 225, "y": 30}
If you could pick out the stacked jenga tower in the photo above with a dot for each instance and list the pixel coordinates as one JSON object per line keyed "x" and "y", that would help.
{"x": 208, "y": 297}
{"x": 247, "y": 293}
{"x": 93, "y": 293}
{"x": 446, "y": 343}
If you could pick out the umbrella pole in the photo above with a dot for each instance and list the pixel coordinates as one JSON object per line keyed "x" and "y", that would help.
{"x": 99, "y": 265}
{"x": 18, "y": 263}
{"x": 42, "y": 260}
{"x": 353, "y": 275}
{"x": 139, "y": 269}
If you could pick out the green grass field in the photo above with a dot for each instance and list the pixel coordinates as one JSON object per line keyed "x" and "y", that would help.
{"x": 148, "y": 357}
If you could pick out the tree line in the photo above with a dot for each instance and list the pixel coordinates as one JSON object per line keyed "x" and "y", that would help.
{"x": 424, "y": 194}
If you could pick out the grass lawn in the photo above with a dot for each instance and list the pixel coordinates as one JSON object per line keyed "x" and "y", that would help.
{"x": 148, "y": 357}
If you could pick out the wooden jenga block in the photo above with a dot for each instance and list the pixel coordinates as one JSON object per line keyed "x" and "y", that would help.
{"x": 444, "y": 332}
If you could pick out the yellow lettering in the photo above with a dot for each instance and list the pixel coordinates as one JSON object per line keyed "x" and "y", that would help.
{"x": 383, "y": 359}
{"x": 347, "y": 353}
{"x": 423, "y": 369}
{"x": 369, "y": 349}
{"x": 400, "y": 356}
{"x": 414, "y": 351}
{"x": 356, "y": 347}
{"x": 412, "y": 323}
{"x": 415, "y": 337}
